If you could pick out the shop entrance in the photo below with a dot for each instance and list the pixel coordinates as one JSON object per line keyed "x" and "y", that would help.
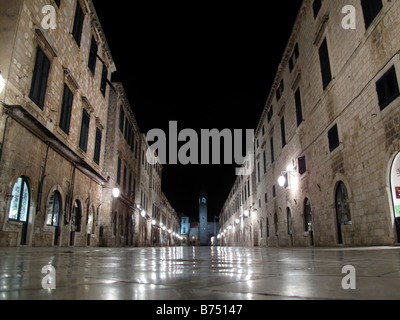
{"x": 395, "y": 191}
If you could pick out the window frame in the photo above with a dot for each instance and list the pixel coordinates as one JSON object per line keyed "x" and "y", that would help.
{"x": 40, "y": 78}
{"x": 23, "y": 184}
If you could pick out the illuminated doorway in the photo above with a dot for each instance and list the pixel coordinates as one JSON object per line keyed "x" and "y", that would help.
{"x": 395, "y": 192}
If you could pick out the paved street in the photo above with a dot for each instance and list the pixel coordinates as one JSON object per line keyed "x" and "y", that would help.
{"x": 201, "y": 273}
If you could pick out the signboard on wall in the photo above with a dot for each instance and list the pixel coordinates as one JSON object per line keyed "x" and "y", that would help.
{"x": 397, "y": 211}
{"x": 397, "y": 192}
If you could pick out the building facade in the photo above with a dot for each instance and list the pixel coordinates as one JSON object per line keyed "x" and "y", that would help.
{"x": 53, "y": 121}
{"x": 327, "y": 144}
{"x": 68, "y": 136}
{"x": 121, "y": 167}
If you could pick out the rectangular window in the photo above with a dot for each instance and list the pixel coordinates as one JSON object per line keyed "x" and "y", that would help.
{"x": 124, "y": 180}
{"x": 58, "y": 2}
{"x": 265, "y": 162}
{"x": 317, "y": 4}
{"x": 104, "y": 79}
{"x": 66, "y": 109}
{"x": 279, "y": 91}
{"x": 283, "y": 132}
{"x": 93, "y": 56}
{"x": 130, "y": 184}
{"x": 302, "y": 165}
{"x": 299, "y": 109}
{"x": 258, "y": 171}
{"x": 272, "y": 150}
{"x": 333, "y": 137}
{"x": 371, "y": 8}
{"x": 274, "y": 191}
{"x": 387, "y": 88}
{"x": 121, "y": 118}
{"x": 83, "y": 140}
{"x": 325, "y": 64}
{"x": 119, "y": 172}
{"x": 97, "y": 146}
{"x": 39, "y": 79}
{"x": 270, "y": 113}
{"x": 294, "y": 57}
{"x": 132, "y": 139}
{"x": 266, "y": 198}
{"x": 78, "y": 24}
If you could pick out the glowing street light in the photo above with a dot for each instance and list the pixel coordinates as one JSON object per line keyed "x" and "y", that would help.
{"x": 282, "y": 181}
{"x": 116, "y": 192}
{"x": 2, "y": 83}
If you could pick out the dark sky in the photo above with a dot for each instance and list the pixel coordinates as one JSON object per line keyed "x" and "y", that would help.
{"x": 207, "y": 64}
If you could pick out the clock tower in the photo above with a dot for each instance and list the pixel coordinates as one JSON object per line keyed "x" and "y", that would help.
{"x": 203, "y": 225}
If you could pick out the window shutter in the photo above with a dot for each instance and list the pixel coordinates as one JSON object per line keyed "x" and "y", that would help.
{"x": 325, "y": 64}
{"x": 39, "y": 79}
{"x": 371, "y": 8}
{"x": 84, "y": 131}
{"x": 66, "y": 110}
{"x": 78, "y": 24}
{"x": 93, "y": 56}
{"x": 299, "y": 112}
{"x": 97, "y": 147}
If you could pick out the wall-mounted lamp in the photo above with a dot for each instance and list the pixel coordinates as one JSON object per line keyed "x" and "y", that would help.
{"x": 2, "y": 83}
{"x": 283, "y": 179}
{"x": 116, "y": 192}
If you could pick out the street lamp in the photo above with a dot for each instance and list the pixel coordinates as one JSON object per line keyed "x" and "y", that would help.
{"x": 2, "y": 83}
{"x": 282, "y": 181}
{"x": 116, "y": 192}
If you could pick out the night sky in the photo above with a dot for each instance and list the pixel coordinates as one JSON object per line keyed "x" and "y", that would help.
{"x": 203, "y": 64}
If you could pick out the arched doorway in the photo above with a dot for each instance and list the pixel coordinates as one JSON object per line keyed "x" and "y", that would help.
{"x": 308, "y": 220}
{"x": 53, "y": 214}
{"x": 289, "y": 226}
{"x": 19, "y": 207}
{"x": 395, "y": 192}
{"x": 90, "y": 226}
{"x": 343, "y": 216}
{"x": 75, "y": 222}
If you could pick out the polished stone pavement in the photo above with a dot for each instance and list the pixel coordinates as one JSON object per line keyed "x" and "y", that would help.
{"x": 201, "y": 273}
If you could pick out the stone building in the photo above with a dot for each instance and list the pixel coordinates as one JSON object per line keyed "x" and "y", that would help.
{"x": 327, "y": 146}
{"x": 238, "y": 218}
{"x": 169, "y": 225}
{"x": 68, "y": 142}
{"x": 121, "y": 167}
{"x": 53, "y": 110}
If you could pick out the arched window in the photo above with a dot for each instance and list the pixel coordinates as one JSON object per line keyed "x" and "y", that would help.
{"x": 342, "y": 205}
{"x": 76, "y": 217}
{"x": 20, "y": 202}
{"x": 307, "y": 215}
{"x": 289, "y": 221}
{"x": 53, "y": 209}
{"x": 90, "y": 224}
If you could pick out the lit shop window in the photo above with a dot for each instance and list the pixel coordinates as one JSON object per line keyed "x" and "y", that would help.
{"x": 20, "y": 201}
{"x": 53, "y": 210}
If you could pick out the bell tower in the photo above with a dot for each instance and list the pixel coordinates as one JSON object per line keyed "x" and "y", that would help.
{"x": 203, "y": 225}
